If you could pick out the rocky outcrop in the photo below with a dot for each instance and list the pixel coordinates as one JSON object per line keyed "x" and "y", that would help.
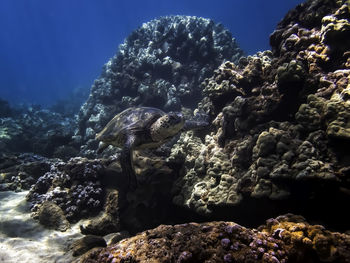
{"x": 40, "y": 131}
{"x": 278, "y": 143}
{"x": 51, "y": 215}
{"x": 20, "y": 172}
{"x": 284, "y": 239}
{"x": 161, "y": 64}
{"x": 75, "y": 187}
{"x": 281, "y": 122}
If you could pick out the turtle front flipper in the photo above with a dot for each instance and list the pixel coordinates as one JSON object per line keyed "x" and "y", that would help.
{"x": 126, "y": 162}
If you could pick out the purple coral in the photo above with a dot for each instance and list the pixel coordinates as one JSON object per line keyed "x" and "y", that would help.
{"x": 261, "y": 250}
{"x": 73, "y": 186}
{"x": 234, "y": 246}
{"x": 225, "y": 242}
{"x": 184, "y": 257}
{"x": 228, "y": 258}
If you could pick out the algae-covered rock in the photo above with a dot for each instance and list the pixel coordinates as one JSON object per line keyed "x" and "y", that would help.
{"x": 52, "y": 216}
{"x": 280, "y": 120}
{"x": 86, "y": 243}
{"x": 107, "y": 221}
{"x": 286, "y": 238}
{"x": 291, "y": 229}
{"x": 74, "y": 186}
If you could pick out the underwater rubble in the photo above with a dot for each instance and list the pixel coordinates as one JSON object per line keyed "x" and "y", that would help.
{"x": 277, "y": 146}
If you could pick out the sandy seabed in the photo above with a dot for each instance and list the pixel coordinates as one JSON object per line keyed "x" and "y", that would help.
{"x": 22, "y": 239}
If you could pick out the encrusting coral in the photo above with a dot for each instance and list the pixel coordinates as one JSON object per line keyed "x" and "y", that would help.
{"x": 281, "y": 119}
{"x": 278, "y": 143}
{"x": 286, "y": 238}
{"x": 75, "y": 187}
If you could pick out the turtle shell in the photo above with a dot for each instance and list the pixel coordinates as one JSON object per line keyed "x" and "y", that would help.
{"x": 135, "y": 120}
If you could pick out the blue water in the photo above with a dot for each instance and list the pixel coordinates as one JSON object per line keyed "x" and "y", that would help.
{"x": 48, "y": 48}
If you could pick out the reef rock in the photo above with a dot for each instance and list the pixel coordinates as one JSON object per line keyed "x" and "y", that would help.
{"x": 75, "y": 187}
{"x": 39, "y": 131}
{"x": 284, "y": 239}
{"x": 161, "y": 64}
{"x": 20, "y": 172}
{"x": 84, "y": 244}
{"x": 281, "y": 123}
{"x": 108, "y": 221}
{"x": 51, "y": 215}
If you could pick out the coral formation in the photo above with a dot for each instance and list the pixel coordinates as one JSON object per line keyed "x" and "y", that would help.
{"x": 20, "y": 172}
{"x": 40, "y": 131}
{"x": 278, "y": 143}
{"x": 283, "y": 239}
{"x": 281, "y": 119}
{"x": 161, "y": 64}
{"x": 75, "y": 187}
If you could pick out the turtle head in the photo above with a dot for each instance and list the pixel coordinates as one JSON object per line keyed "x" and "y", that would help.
{"x": 167, "y": 126}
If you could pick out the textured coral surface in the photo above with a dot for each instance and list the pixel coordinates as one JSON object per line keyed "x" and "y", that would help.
{"x": 161, "y": 64}
{"x": 284, "y": 239}
{"x": 278, "y": 143}
{"x": 281, "y": 121}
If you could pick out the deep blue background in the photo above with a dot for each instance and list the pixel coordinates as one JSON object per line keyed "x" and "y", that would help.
{"x": 50, "y": 47}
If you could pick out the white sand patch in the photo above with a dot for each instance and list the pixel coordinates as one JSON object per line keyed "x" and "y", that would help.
{"x": 24, "y": 240}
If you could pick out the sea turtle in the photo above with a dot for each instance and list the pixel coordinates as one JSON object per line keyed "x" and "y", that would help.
{"x": 143, "y": 127}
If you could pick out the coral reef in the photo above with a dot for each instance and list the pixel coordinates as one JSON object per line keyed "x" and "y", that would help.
{"x": 41, "y": 131}
{"x": 278, "y": 144}
{"x": 75, "y": 187}
{"x": 281, "y": 122}
{"x": 20, "y": 172}
{"x": 161, "y": 64}
{"x": 286, "y": 238}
